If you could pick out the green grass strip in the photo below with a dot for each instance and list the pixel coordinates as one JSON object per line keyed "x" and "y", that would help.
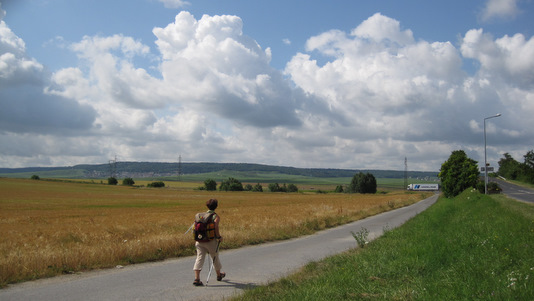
{"x": 472, "y": 247}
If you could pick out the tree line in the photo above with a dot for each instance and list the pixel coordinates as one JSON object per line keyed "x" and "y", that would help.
{"x": 460, "y": 172}
{"x": 511, "y": 169}
{"x": 360, "y": 183}
{"x": 137, "y": 169}
{"x": 233, "y": 184}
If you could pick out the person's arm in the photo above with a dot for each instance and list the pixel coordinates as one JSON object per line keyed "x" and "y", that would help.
{"x": 216, "y": 221}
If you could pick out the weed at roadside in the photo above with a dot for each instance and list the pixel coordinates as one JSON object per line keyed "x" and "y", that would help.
{"x": 361, "y": 237}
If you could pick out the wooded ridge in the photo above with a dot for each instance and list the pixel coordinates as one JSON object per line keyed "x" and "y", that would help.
{"x": 151, "y": 169}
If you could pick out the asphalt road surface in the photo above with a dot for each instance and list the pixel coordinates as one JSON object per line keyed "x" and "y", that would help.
{"x": 245, "y": 268}
{"x": 516, "y": 192}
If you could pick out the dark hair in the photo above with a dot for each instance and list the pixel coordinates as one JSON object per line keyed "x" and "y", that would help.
{"x": 212, "y": 204}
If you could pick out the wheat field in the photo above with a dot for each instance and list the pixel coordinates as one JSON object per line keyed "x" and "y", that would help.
{"x": 49, "y": 228}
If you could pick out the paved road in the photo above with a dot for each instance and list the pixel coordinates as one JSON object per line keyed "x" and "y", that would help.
{"x": 516, "y": 192}
{"x": 246, "y": 267}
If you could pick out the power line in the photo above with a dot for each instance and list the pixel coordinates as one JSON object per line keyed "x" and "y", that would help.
{"x": 179, "y": 167}
{"x": 113, "y": 168}
{"x": 405, "y": 172}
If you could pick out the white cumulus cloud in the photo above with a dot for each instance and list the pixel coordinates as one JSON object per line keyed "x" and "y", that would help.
{"x": 211, "y": 65}
{"x": 403, "y": 91}
{"x": 25, "y": 105}
{"x": 499, "y": 9}
{"x": 509, "y": 58}
{"x": 381, "y": 28}
{"x": 365, "y": 98}
{"x": 174, "y": 3}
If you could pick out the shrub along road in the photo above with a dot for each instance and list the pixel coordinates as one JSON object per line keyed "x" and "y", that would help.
{"x": 245, "y": 267}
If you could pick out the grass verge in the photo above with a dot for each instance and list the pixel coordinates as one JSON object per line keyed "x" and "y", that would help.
{"x": 472, "y": 247}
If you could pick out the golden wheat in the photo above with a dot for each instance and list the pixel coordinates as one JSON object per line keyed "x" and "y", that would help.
{"x": 48, "y": 228}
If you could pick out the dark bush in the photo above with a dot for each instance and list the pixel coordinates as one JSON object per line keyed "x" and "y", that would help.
{"x": 257, "y": 188}
{"x": 231, "y": 184}
{"x": 493, "y": 187}
{"x": 128, "y": 182}
{"x": 292, "y": 188}
{"x": 112, "y": 181}
{"x": 363, "y": 183}
{"x": 275, "y": 187}
{"x": 210, "y": 185}
{"x": 156, "y": 184}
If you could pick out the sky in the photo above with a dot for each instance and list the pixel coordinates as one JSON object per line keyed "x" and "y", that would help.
{"x": 313, "y": 84}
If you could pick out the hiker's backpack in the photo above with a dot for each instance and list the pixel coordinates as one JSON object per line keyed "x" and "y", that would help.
{"x": 204, "y": 230}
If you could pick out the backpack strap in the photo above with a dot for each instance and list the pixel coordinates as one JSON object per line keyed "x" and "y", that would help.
{"x": 204, "y": 217}
{"x": 212, "y": 215}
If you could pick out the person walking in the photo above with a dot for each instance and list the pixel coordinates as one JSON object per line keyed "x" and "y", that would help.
{"x": 208, "y": 244}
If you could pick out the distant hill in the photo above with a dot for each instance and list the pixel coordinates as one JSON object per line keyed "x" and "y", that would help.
{"x": 155, "y": 170}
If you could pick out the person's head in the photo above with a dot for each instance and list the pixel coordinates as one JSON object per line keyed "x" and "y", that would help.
{"x": 212, "y": 204}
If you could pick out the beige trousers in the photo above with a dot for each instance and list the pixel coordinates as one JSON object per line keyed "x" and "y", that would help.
{"x": 204, "y": 248}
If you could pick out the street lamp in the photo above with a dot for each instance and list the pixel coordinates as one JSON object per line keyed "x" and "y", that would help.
{"x": 485, "y": 156}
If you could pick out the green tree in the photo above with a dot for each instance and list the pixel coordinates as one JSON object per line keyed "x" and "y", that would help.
{"x": 458, "y": 173}
{"x": 339, "y": 189}
{"x": 157, "y": 184}
{"x": 292, "y": 188}
{"x": 274, "y": 187}
{"x": 354, "y": 186}
{"x": 511, "y": 169}
{"x": 128, "y": 182}
{"x": 35, "y": 177}
{"x": 508, "y": 167}
{"x": 363, "y": 183}
{"x": 232, "y": 184}
{"x": 112, "y": 181}
{"x": 369, "y": 184}
{"x": 528, "y": 167}
{"x": 257, "y": 188}
{"x": 210, "y": 185}
{"x": 529, "y": 159}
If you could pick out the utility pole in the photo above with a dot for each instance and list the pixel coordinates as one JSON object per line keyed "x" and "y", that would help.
{"x": 179, "y": 167}
{"x": 405, "y": 172}
{"x": 113, "y": 168}
{"x": 485, "y": 155}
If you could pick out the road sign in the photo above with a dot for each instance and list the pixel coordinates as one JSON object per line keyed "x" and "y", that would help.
{"x": 490, "y": 168}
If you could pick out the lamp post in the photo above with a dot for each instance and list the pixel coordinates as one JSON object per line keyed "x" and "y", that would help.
{"x": 485, "y": 156}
